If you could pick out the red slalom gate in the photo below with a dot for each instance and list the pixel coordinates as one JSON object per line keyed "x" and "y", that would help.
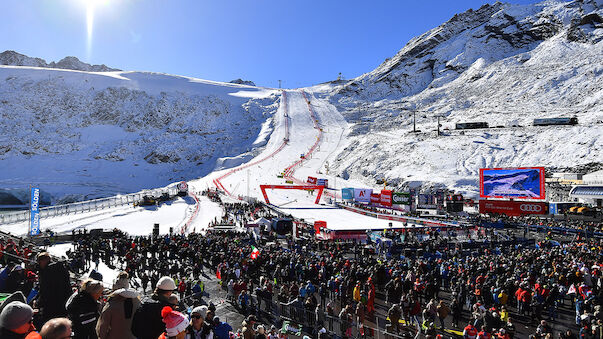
{"x": 190, "y": 220}
{"x": 217, "y": 182}
{"x": 289, "y": 171}
{"x": 292, "y": 187}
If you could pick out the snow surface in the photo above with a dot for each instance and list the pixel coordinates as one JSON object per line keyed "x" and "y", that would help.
{"x": 133, "y": 220}
{"x": 503, "y": 64}
{"x": 82, "y": 135}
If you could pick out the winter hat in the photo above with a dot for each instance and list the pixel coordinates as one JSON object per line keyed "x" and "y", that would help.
{"x": 127, "y": 293}
{"x": 200, "y": 310}
{"x": 121, "y": 282}
{"x": 17, "y": 296}
{"x": 15, "y": 314}
{"x": 175, "y": 322}
{"x": 166, "y": 284}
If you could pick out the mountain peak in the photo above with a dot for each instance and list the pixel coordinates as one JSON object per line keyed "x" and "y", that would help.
{"x": 491, "y": 33}
{"x": 12, "y": 58}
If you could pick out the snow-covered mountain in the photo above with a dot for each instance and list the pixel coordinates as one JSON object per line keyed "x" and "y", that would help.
{"x": 81, "y": 135}
{"x": 12, "y": 58}
{"x": 502, "y": 64}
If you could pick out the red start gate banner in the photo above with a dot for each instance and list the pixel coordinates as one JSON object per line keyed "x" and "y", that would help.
{"x": 375, "y": 198}
{"x": 386, "y": 197}
{"x": 512, "y": 207}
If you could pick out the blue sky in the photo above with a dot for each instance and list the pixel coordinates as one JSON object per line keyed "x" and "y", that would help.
{"x": 300, "y": 42}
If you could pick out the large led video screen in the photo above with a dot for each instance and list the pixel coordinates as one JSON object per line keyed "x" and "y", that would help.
{"x": 516, "y": 183}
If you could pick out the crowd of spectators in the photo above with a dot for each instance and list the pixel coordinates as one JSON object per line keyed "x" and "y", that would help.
{"x": 328, "y": 288}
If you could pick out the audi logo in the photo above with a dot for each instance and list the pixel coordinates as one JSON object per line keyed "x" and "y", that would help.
{"x": 530, "y": 208}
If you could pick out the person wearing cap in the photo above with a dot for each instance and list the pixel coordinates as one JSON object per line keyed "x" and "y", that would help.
{"x": 248, "y": 330}
{"x": 57, "y": 328}
{"x": 147, "y": 322}
{"x": 261, "y": 332}
{"x": 199, "y": 328}
{"x": 322, "y": 333}
{"x": 54, "y": 288}
{"x": 221, "y": 329}
{"x": 115, "y": 321}
{"x": 83, "y": 309}
{"x": 16, "y": 322}
{"x": 175, "y": 324}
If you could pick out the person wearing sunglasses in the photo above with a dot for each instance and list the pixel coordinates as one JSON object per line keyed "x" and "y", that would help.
{"x": 57, "y": 328}
{"x": 198, "y": 328}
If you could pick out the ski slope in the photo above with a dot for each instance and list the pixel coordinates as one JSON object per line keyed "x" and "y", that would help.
{"x": 132, "y": 220}
{"x": 304, "y": 124}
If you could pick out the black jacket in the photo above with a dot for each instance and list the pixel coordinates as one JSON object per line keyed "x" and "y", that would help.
{"x": 55, "y": 289}
{"x": 147, "y": 322}
{"x": 83, "y": 311}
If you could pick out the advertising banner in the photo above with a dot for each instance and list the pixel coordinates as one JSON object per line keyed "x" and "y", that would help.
{"x": 386, "y": 197}
{"x": 518, "y": 183}
{"x": 323, "y": 182}
{"x": 401, "y": 198}
{"x": 312, "y": 180}
{"x": 35, "y": 211}
{"x": 426, "y": 201}
{"x": 347, "y": 193}
{"x": 362, "y": 194}
{"x": 512, "y": 208}
{"x": 375, "y": 198}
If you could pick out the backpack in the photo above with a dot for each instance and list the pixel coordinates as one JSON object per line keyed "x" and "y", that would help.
{"x": 147, "y": 322}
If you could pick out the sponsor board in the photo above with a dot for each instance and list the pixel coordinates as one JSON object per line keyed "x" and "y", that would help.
{"x": 322, "y": 182}
{"x": 375, "y": 198}
{"x": 362, "y": 194}
{"x": 513, "y": 208}
{"x": 386, "y": 197}
{"x": 312, "y": 180}
{"x": 426, "y": 201}
{"x": 401, "y": 198}
{"x": 517, "y": 183}
{"x": 347, "y": 193}
{"x": 34, "y": 208}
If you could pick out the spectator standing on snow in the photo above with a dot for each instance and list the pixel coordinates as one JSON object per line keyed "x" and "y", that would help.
{"x": 83, "y": 309}
{"x": 115, "y": 321}
{"x": 147, "y": 322}
{"x": 221, "y": 329}
{"x": 54, "y": 286}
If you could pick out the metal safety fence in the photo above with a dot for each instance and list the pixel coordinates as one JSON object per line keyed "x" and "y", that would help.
{"x": 82, "y": 206}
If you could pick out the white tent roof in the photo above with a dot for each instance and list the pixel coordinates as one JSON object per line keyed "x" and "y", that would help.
{"x": 262, "y": 221}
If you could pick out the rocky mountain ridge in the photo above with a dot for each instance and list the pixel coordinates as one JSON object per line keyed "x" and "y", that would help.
{"x": 12, "y": 58}
{"x": 501, "y": 64}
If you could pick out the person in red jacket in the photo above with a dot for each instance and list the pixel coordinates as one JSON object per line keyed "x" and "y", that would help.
{"x": 524, "y": 301}
{"x": 16, "y": 322}
{"x": 502, "y": 334}
{"x": 181, "y": 288}
{"x": 483, "y": 334}
{"x": 470, "y": 332}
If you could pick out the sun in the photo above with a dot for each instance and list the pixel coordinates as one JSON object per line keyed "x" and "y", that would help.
{"x": 91, "y": 6}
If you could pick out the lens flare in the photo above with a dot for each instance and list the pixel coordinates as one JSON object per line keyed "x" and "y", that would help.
{"x": 89, "y": 26}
